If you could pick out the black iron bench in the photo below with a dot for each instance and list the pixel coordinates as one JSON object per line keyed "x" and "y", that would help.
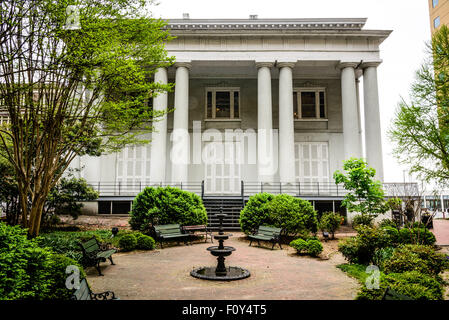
{"x": 84, "y": 293}
{"x": 391, "y": 294}
{"x": 201, "y": 227}
{"x": 265, "y": 233}
{"x": 93, "y": 254}
{"x": 170, "y": 231}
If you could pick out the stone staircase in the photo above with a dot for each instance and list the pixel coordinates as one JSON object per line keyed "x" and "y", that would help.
{"x": 231, "y": 206}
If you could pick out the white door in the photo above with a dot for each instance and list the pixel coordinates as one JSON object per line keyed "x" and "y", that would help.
{"x": 222, "y": 170}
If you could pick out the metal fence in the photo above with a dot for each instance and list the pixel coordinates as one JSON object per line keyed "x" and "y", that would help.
{"x": 320, "y": 189}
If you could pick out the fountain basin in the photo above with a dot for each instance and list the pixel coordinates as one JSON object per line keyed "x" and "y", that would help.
{"x": 208, "y": 273}
{"x": 216, "y": 251}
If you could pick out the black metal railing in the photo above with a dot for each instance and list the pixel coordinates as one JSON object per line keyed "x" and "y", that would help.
{"x": 320, "y": 189}
{"x": 124, "y": 189}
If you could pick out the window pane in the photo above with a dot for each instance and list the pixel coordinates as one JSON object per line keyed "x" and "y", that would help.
{"x": 436, "y": 22}
{"x": 223, "y": 104}
{"x": 308, "y": 105}
{"x": 322, "y": 110}
{"x": 209, "y": 105}
{"x": 295, "y": 105}
{"x": 435, "y": 3}
{"x": 236, "y": 105}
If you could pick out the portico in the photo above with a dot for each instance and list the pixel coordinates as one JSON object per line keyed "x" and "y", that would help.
{"x": 263, "y": 101}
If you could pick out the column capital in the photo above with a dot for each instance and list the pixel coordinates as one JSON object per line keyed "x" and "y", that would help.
{"x": 186, "y": 64}
{"x": 261, "y": 64}
{"x": 289, "y": 64}
{"x": 368, "y": 64}
{"x": 348, "y": 64}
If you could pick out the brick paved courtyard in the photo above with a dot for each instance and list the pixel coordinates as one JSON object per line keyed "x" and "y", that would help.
{"x": 275, "y": 274}
{"x": 441, "y": 231}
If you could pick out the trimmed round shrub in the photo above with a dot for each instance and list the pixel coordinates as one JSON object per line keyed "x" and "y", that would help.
{"x": 292, "y": 214}
{"x": 310, "y": 246}
{"x": 145, "y": 242}
{"x": 391, "y": 235}
{"x": 255, "y": 213}
{"x": 299, "y": 244}
{"x": 413, "y": 284}
{"x": 330, "y": 222}
{"x": 362, "y": 219}
{"x": 314, "y": 247}
{"x": 154, "y": 206}
{"x": 416, "y": 236}
{"x": 128, "y": 242}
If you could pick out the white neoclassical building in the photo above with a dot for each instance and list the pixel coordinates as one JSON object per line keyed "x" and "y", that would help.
{"x": 259, "y": 105}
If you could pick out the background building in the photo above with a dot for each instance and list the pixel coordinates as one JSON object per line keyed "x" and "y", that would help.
{"x": 260, "y": 105}
{"x": 439, "y": 13}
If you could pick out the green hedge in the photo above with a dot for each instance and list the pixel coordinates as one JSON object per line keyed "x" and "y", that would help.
{"x": 413, "y": 284}
{"x": 292, "y": 214}
{"x": 155, "y": 206}
{"x": 28, "y": 271}
{"x": 423, "y": 259}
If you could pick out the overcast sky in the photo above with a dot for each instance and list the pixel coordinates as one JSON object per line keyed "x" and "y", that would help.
{"x": 402, "y": 53}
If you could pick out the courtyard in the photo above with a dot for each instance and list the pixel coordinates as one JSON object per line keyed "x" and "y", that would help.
{"x": 275, "y": 274}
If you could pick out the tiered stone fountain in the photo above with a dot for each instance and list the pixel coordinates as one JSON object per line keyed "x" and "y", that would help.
{"x": 220, "y": 272}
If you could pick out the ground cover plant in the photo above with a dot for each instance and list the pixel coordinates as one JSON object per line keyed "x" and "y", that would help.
{"x": 67, "y": 242}
{"x": 28, "y": 271}
{"x": 406, "y": 259}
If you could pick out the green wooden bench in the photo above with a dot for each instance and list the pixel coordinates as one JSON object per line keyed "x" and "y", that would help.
{"x": 84, "y": 293}
{"x": 170, "y": 231}
{"x": 391, "y": 294}
{"x": 93, "y": 254}
{"x": 267, "y": 234}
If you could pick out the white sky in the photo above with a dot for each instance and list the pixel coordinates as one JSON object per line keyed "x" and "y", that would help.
{"x": 402, "y": 53}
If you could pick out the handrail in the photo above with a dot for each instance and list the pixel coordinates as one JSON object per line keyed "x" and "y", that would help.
{"x": 247, "y": 188}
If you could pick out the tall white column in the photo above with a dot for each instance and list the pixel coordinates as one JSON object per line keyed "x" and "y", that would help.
{"x": 265, "y": 144}
{"x": 159, "y": 136}
{"x": 373, "y": 138}
{"x": 286, "y": 123}
{"x": 180, "y": 152}
{"x": 352, "y": 147}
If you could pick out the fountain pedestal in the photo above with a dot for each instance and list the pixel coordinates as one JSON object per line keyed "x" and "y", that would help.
{"x": 220, "y": 272}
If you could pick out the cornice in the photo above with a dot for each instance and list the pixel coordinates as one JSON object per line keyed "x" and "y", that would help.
{"x": 267, "y": 24}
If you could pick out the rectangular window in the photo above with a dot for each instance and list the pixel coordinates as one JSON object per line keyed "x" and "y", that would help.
{"x": 309, "y": 103}
{"x": 436, "y": 22}
{"x": 222, "y": 103}
{"x": 434, "y": 3}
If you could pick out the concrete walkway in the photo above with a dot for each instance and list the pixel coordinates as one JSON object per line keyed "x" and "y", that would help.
{"x": 275, "y": 274}
{"x": 441, "y": 231}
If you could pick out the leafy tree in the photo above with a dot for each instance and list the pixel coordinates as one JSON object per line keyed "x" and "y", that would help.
{"x": 75, "y": 80}
{"x": 365, "y": 195}
{"x": 9, "y": 194}
{"x": 66, "y": 196}
{"x": 420, "y": 129}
